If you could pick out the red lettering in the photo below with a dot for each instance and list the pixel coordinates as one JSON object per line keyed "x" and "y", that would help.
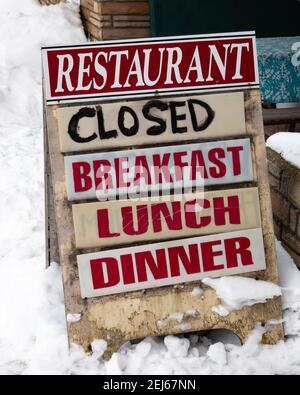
{"x": 180, "y": 165}
{"x": 82, "y": 180}
{"x": 128, "y": 269}
{"x": 129, "y": 220}
{"x": 158, "y": 267}
{"x": 198, "y": 166}
{"x": 103, "y": 178}
{"x": 103, "y": 225}
{"x": 191, "y": 209}
{"x": 232, "y": 208}
{"x": 105, "y": 273}
{"x": 214, "y": 155}
{"x": 236, "y": 159}
{"x": 208, "y": 256}
{"x": 121, "y": 171}
{"x": 173, "y": 220}
{"x": 239, "y": 247}
{"x": 179, "y": 257}
{"x": 161, "y": 168}
{"x": 142, "y": 171}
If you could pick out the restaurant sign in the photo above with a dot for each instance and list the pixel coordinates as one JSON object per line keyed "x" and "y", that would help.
{"x": 124, "y": 69}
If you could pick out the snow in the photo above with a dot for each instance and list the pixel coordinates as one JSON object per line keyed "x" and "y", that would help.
{"x": 191, "y": 313}
{"x": 32, "y": 318}
{"x": 172, "y": 317}
{"x": 73, "y": 318}
{"x": 177, "y": 347}
{"x": 238, "y": 292}
{"x": 24, "y": 7}
{"x": 221, "y": 310}
{"x": 217, "y": 353}
{"x": 98, "y": 348}
{"x": 287, "y": 145}
{"x": 197, "y": 292}
{"x": 176, "y": 317}
{"x": 184, "y": 327}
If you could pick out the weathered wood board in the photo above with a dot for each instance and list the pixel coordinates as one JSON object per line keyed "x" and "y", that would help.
{"x": 51, "y": 238}
{"x": 170, "y": 120}
{"x": 122, "y": 222}
{"x": 119, "y": 318}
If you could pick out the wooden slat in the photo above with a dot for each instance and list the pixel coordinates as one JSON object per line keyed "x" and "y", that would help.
{"x": 87, "y": 224}
{"x": 51, "y": 240}
{"x": 281, "y": 116}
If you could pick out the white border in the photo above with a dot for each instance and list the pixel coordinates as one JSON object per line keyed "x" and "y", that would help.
{"x": 146, "y": 93}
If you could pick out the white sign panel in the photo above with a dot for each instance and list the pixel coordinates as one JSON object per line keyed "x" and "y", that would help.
{"x": 131, "y": 174}
{"x": 175, "y": 262}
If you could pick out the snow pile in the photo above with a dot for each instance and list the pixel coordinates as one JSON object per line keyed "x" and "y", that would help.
{"x": 24, "y": 28}
{"x": 238, "y": 292}
{"x": 32, "y": 317}
{"x": 24, "y": 7}
{"x": 31, "y": 324}
{"x": 290, "y": 280}
{"x": 287, "y": 145}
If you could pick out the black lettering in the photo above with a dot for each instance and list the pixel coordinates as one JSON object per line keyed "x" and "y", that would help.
{"x": 121, "y": 120}
{"x": 175, "y": 118}
{"x": 73, "y": 125}
{"x": 210, "y": 115}
{"x": 155, "y": 130}
{"x": 104, "y": 135}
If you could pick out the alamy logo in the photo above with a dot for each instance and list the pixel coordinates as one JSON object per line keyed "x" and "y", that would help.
{"x": 296, "y": 55}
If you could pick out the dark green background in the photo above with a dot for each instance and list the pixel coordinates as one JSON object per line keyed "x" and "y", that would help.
{"x": 270, "y": 18}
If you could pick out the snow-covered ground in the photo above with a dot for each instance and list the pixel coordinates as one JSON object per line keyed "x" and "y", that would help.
{"x": 32, "y": 321}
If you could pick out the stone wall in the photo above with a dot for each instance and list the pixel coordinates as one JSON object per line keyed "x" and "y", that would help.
{"x": 116, "y": 19}
{"x": 285, "y": 189}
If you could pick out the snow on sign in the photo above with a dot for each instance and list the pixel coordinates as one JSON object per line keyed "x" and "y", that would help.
{"x": 196, "y": 214}
{"x": 137, "y": 68}
{"x": 135, "y": 173}
{"x": 144, "y": 122}
{"x": 180, "y": 261}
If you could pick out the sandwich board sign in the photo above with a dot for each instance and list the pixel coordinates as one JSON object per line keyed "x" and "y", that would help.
{"x": 156, "y": 178}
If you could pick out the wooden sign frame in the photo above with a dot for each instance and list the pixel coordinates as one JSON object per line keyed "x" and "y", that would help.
{"x": 120, "y": 318}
